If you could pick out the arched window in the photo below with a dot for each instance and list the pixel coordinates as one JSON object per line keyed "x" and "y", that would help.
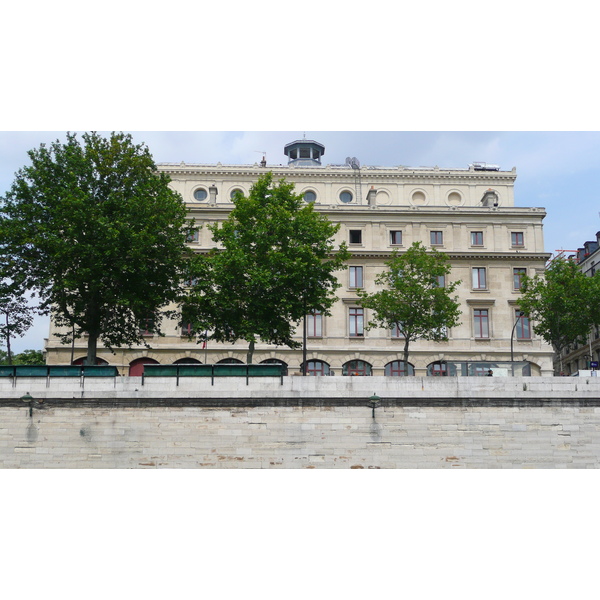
{"x": 136, "y": 367}
{"x": 275, "y": 361}
{"x": 356, "y": 367}
{"x": 398, "y": 368}
{"x": 441, "y": 369}
{"x": 230, "y": 361}
{"x": 187, "y": 361}
{"x": 317, "y": 367}
{"x": 80, "y": 361}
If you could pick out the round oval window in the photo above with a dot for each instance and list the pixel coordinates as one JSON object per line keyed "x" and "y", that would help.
{"x": 235, "y": 192}
{"x": 309, "y": 196}
{"x": 200, "y": 194}
{"x": 346, "y": 197}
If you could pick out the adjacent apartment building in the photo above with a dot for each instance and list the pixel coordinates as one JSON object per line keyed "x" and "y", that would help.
{"x": 583, "y": 357}
{"x": 468, "y": 213}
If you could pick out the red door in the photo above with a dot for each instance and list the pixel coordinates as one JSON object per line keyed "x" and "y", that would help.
{"x": 136, "y": 367}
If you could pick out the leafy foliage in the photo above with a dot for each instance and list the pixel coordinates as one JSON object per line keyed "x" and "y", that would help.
{"x": 27, "y": 357}
{"x": 16, "y": 315}
{"x": 413, "y": 299}
{"x": 276, "y": 262}
{"x": 99, "y": 235}
{"x": 564, "y": 304}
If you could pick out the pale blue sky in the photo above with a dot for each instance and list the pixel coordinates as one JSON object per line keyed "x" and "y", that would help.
{"x": 559, "y": 171}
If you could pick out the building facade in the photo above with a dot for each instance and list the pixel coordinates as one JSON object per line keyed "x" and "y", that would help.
{"x": 469, "y": 214}
{"x": 583, "y": 357}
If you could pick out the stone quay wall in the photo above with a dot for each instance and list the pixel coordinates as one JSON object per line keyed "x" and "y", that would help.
{"x": 297, "y": 422}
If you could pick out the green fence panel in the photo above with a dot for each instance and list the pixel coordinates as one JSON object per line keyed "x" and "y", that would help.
{"x": 65, "y": 371}
{"x": 31, "y": 370}
{"x": 160, "y": 370}
{"x": 230, "y": 370}
{"x": 268, "y": 370}
{"x": 100, "y": 371}
{"x": 6, "y": 371}
{"x": 195, "y": 370}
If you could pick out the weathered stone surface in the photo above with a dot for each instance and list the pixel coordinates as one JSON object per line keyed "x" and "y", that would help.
{"x": 297, "y": 437}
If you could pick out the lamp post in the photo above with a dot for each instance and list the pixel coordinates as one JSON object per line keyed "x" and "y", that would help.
{"x": 512, "y": 338}
{"x": 28, "y": 399}
{"x": 374, "y": 402}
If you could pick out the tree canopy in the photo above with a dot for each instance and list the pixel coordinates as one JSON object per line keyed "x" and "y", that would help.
{"x": 275, "y": 262}
{"x": 417, "y": 299}
{"x": 16, "y": 315}
{"x": 93, "y": 230}
{"x": 563, "y": 304}
{"x": 27, "y": 357}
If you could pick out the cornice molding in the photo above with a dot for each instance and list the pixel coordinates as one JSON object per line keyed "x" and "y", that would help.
{"x": 464, "y": 256}
{"x": 402, "y": 175}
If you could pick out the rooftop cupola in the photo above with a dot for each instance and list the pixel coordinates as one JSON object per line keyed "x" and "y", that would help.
{"x": 304, "y": 153}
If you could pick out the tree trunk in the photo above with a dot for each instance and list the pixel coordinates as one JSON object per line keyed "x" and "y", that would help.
{"x": 92, "y": 349}
{"x": 406, "y": 342}
{"x": 8, "y": 341}
{"x": 304, "y": 342}
{"x": 250, "y": 353}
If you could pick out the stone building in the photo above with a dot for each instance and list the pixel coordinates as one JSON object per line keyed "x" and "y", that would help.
{"x": 468, "y": 213}
{"x": 581, "y": 357}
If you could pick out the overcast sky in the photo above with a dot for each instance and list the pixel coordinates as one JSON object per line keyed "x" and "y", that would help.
{"x": 559, "y": 171}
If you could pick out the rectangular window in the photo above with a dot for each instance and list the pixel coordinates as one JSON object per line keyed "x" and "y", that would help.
{"x": 476, "y": 238}
{"x": 397, "y": 332}
{"x": 440, "y": 281}
{"x": 436, "y": 237}
{"x": 147, "y": 326}
{"x": 355, "y": 236}
{"x": 193, "y": 236}
{"x": 314, "y": 324}
{"x": 523, "y": 328}
{"x": 356, "y": 277}
{"x": 479, "y": 278}
{"x": 481, "y": 323}
{"x": 516, "y": 238}
{"x": 518, "y": 278}
{"x": 395, "y": 238}
{"x": 187, "y": 329}
{"x": 357, "y": 317}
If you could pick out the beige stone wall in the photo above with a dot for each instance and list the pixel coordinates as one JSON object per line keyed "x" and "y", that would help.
{"x": 83, "y": 436}
{"x": 414, "y": 201}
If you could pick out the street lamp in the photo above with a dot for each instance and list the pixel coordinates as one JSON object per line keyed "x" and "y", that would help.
{"x": 374, "y": 402}
{"x": 28, "y": 398}
{"x": 512, "y": 338}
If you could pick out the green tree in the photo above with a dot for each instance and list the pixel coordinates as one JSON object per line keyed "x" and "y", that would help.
{"x": 29, "y": 357}
{"x": 563, "y": 304}
{"x": 98, "y": 235}
{"x": 417, "y": 298}
{"x": 276, "y": 262}
{"x": 16, "y": 315}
